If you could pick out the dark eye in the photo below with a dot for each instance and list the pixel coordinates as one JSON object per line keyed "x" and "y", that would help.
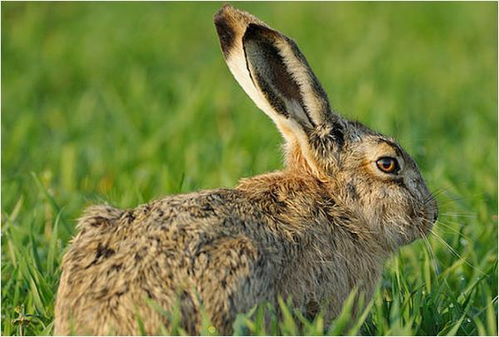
{"x": 388, "y": 165}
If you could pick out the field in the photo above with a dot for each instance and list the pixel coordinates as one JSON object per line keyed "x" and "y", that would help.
{"x": 126, "y": 102}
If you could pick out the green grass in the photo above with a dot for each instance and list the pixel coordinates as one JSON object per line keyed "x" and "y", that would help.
{"x": 124, "y": 103}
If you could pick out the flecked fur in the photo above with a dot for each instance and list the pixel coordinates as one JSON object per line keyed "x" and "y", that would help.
{"x": 313, "y": 231}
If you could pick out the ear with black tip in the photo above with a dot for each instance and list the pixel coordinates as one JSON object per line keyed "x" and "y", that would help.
{"x": 271, "y": 69}
{"x": 277, "y": 77}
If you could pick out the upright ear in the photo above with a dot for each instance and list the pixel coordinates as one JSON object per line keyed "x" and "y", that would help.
{"x": 273, "y": 72}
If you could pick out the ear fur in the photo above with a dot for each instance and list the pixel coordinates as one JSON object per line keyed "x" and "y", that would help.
{"x": 275, "y": 74}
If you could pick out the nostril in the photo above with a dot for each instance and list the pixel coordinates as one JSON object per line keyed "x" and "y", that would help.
{"x": 435, "y": 216}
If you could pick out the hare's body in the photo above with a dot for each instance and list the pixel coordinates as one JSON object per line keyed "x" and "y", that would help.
{"x": 348, "y": 197}
{"x": 231, "y": 248}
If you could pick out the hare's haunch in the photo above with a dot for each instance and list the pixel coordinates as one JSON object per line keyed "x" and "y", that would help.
{"x": 347, "y": 198}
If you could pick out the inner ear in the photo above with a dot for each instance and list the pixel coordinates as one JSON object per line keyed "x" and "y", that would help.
{"x": 269, "y": 72}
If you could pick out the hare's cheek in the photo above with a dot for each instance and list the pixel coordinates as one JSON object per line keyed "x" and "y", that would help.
{"x": 399, "y": 220}
{"x": 352, "y": 191}
{"x": 394, "y": 235}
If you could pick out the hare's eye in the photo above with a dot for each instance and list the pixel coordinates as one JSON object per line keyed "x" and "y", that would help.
{"x": 388, "y": 165}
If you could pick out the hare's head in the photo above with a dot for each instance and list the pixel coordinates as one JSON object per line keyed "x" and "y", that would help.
{"x": 369, "y": 172}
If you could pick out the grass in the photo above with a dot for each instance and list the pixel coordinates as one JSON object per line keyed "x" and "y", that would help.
{"x": 126, "y": 102}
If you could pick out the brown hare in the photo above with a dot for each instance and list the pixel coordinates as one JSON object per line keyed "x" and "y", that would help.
{"x": 347, "y": 198}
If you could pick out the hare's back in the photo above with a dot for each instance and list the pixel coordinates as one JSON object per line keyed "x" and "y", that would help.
{"x": 194, "y": 246}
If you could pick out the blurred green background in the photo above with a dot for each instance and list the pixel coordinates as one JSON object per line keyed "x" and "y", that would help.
{"x": 126, "y": 102}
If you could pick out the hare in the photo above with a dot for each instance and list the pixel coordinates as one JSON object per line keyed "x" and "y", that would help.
{"x": 347, "y": 198}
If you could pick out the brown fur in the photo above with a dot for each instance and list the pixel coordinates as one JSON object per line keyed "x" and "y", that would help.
{"x": 312, "y": 232}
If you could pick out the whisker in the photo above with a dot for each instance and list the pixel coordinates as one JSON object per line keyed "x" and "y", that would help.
{"x": 436, "y": 268}
{"x": 451, "y": 229}
{"x": 463, "y": 215}
{"x": 453, "y": 251}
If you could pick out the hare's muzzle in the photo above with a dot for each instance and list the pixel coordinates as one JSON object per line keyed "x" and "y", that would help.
{"x": 431, "y": 215}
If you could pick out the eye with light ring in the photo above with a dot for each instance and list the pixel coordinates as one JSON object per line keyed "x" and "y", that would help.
{"x": 388, "y": 165}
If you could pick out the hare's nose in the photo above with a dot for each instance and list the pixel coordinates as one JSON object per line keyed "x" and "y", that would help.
{"x": 435, "y": 217}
